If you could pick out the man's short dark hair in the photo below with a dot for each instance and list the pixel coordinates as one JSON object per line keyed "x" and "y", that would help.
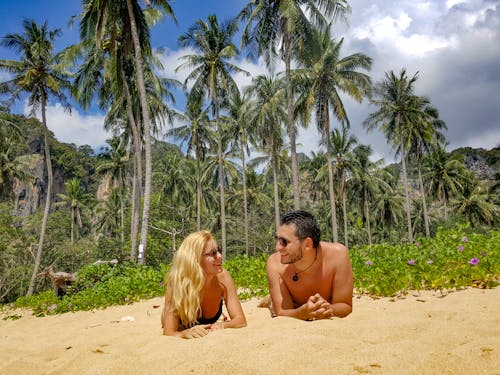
{"x": 306, "y": 225}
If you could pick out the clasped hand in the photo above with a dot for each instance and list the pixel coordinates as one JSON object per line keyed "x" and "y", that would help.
{"x": 318, "y": 308}
{"x": 201, "y": 330}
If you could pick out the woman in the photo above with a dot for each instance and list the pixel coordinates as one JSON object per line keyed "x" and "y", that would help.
{"x": 196, "y": 286}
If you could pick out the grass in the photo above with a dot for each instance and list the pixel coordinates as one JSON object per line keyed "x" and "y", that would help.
{"x": 452, "y": 259}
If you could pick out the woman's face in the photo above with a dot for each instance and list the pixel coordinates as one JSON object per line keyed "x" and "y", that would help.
{"x": 211, "y": 259}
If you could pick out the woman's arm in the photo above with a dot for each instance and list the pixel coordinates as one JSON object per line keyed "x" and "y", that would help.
{"x": 233, "y": 303}
{"x": 170, "y": 323}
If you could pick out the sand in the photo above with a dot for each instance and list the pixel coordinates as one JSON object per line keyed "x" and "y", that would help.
{"x": 424, "y": 333}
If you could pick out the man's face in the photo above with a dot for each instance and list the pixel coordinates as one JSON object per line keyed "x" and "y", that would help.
{"x": 288, "y": 244}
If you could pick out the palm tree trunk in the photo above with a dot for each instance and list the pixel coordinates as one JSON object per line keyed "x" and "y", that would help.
{"x": 291, "y": 127}
{"x": 276, "y": 191}
{"x": 344, "y": 212}
{"x": 221, "y": 177}
{"x": 331, "y": 190}
{"x": 367, "y": 216}
{"x": 72, "y": 225}
{"x": 137, "y": 182}
{"x": 424, "y": 203}
{"x": 147, "y": 135}
{"x": 48, "y": 199}
{"x": 245, "y": 200}
{"x": 407, "y": 195}
{"x": 198, "y": 192}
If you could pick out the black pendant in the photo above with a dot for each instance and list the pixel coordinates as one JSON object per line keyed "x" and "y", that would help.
{"x": 295, "y": 277}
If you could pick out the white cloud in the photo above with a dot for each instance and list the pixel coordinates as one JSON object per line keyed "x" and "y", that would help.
{"x": 74, "y": 127}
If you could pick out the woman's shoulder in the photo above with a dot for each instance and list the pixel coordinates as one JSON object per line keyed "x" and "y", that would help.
{"x": 224, "y": 276}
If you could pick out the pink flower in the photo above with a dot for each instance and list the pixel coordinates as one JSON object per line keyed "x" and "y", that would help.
{"x": 464, "y": 239}
{"x": 369, "y": 263}
{"x": 410, "y": 262}
{"x": 460, "y": 248}
{"x": 474, "y": 262}
{"x": 417, "y": 244}
{"x": 430, "y": 261}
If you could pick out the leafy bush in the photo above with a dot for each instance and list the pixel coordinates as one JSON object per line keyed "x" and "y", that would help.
{"x": 454, "y": 258}
{"x": 99, "y": 286}
{"x": 249, "y": 275}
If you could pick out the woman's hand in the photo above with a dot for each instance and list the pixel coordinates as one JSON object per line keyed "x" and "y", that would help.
{"x": 195, "y": 332}
{"x": 216, "y": 326}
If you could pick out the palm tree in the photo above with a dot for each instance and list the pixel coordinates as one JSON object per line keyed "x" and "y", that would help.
{"x": 396, "y": 114}
{"x": 240, "y": 135}
{"x": 75, "y": 198}
{"x": 115, "y": 168}
{"x": 196, "y": 134}
{"x": 285, "y": 24}
{"x": 266, "y": 115}
{"x": 99, "y": 17}
{"x": 365, "y": 181}
{"x": 211, "y": 75}
{"x": 325, "y": 75}
{"x": 39, "y": 74}
{"x": 141, "y": 45}
{"x": 474, "y": 203}
{"x": 175, "y": 181}
{"x": 388, "y": 202}
{"x": 342, "y": 144}
{"x": 445, "y": 176}
{"x": 421, "y": 134}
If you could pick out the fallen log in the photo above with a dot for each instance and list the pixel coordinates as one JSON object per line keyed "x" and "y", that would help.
{"x": 60, "y": 280}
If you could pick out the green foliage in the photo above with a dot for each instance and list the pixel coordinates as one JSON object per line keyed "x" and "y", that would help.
{"x": 249, "y": 275}
{"x": 454, "y": 258}
{"x": 99, "y": 286}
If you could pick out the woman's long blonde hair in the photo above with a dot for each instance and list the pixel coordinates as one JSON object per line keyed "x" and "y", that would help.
{"x": 186, "y": 279}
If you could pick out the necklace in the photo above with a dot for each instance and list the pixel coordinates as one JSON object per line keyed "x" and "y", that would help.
{"x": 295, "y": 276}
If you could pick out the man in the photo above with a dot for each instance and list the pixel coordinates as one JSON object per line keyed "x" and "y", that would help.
{"x": 308, "y": 279}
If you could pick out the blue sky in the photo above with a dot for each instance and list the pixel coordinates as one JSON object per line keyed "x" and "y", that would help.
{"x": 453, "y": 44}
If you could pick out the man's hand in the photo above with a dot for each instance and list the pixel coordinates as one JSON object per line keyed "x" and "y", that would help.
{"x": 318, "y": 308}
{"x": 195, "y": 332}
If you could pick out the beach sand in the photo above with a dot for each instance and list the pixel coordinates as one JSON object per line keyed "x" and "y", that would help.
{"x": 424, "y": 333}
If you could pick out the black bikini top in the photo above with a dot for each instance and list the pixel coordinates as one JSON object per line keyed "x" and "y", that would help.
{"x": 203, "y": 320}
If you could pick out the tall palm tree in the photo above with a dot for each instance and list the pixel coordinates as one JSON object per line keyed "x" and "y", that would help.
{"x": 388, "y": 203}
{"x": 115, "y": 168}
{"x": 365, "y": 181}
{"x": 97, "y": 17}
{"x": 267, "y": 114}
{"x": 286, "y": 25}
{"x": 212, "y": 76}
{"x": 141, "y": 45}
{"x": 423, "y": 132}
{"x": 75, "y": 198}
{"x": 474, "y": 203}
{"x": 240, "y": 135}
{"x": 40, "y": 74}
{"x": 394, "y": 97}
{"x": 445, "y": 176}
{"x": 196, "y": 134}
{"x": 326, "y": 75}
{"x": 342, "y": 144}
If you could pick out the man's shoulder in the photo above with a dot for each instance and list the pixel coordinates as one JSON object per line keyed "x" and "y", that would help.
{"x": 332, "y": 246}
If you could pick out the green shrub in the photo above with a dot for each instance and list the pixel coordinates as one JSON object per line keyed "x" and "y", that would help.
{"x": 454, "y": 258}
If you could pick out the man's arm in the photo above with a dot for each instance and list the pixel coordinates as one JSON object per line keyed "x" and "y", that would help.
{"x": 341, "y": 303}
{"x": 280, "y": 295}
